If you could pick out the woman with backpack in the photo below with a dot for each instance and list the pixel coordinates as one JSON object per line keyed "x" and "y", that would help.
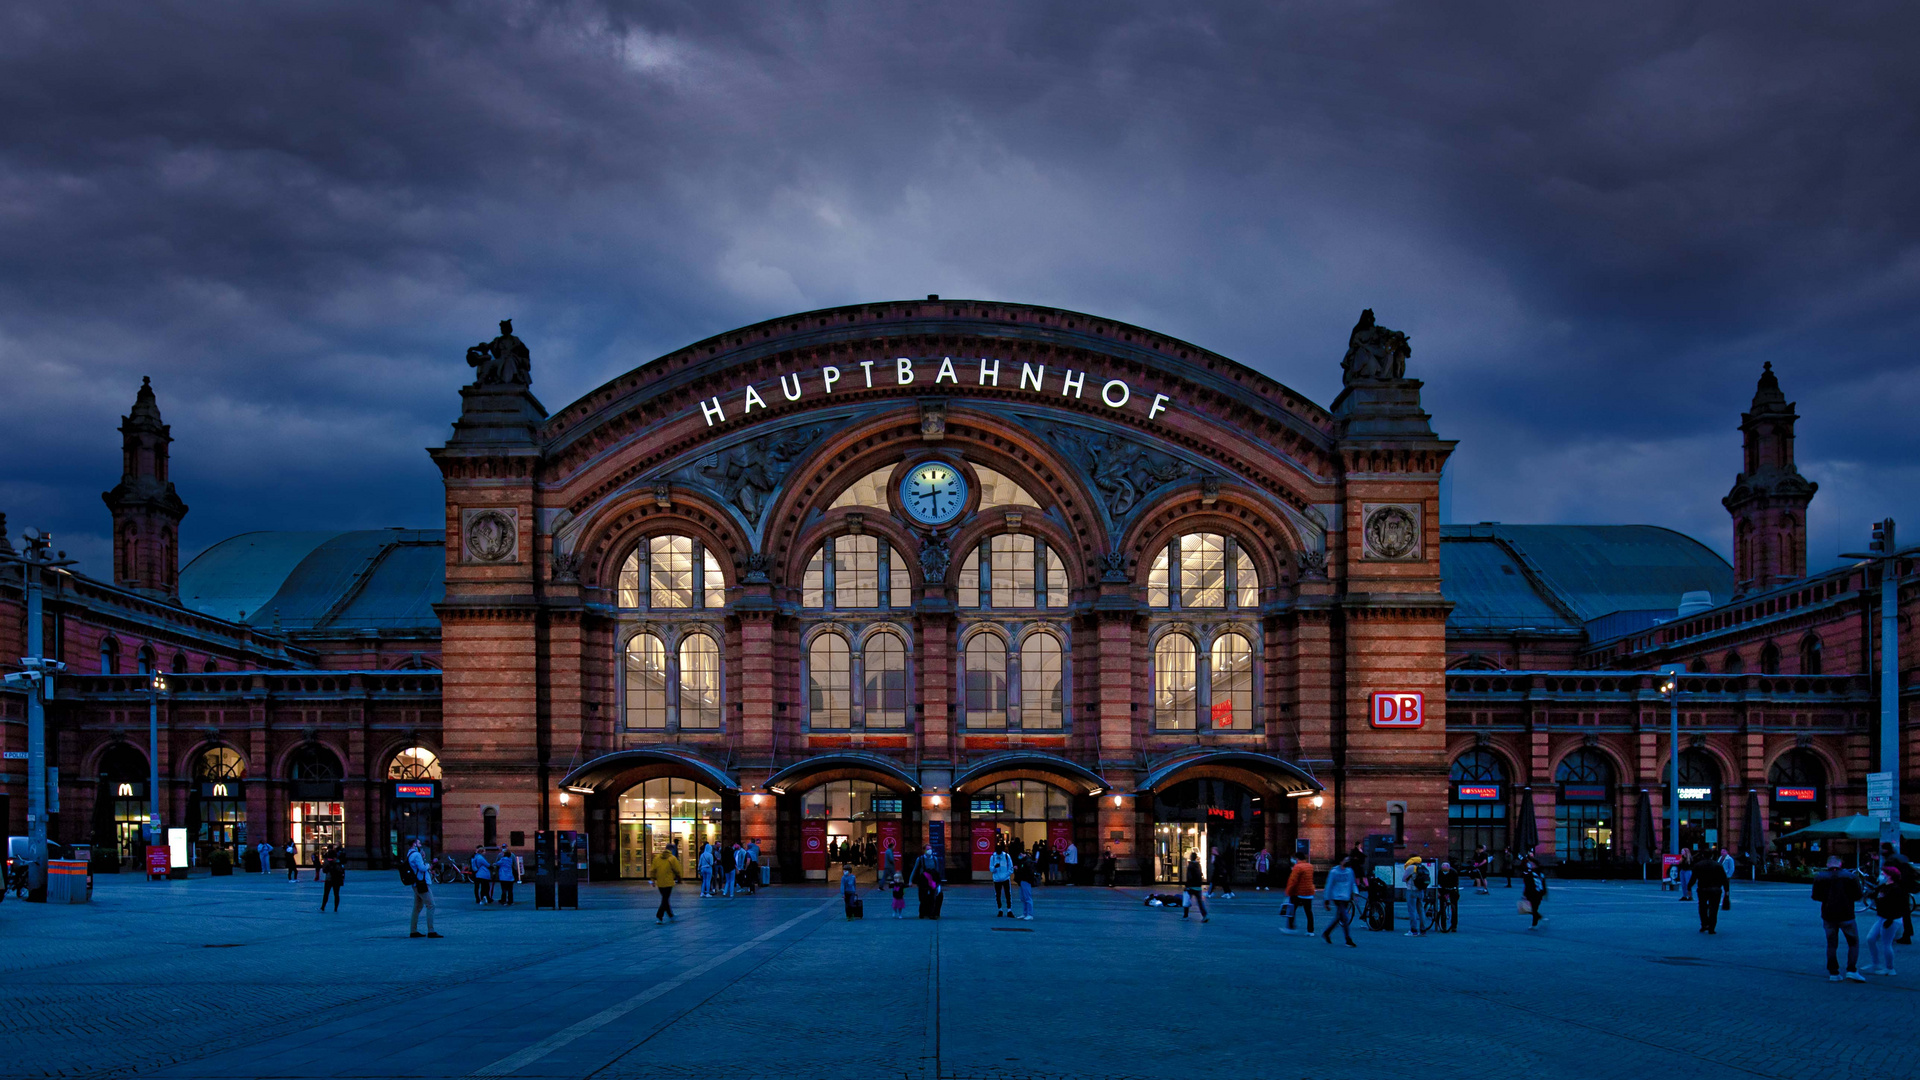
{"x": 1534, "y": 890}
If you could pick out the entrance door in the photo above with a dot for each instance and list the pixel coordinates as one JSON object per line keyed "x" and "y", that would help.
{"x": 662, "y": 811}
{"x": 317, "y": 828}
{"x": 1699, "y": 825}
{"x": 1172, "y": 842}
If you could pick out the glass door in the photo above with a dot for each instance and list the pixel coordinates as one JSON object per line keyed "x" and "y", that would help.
{"x": 1172, "y": 843}
{"x": 317, "y": 828}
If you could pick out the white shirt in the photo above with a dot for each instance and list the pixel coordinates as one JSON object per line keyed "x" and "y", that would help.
{"x": 1073, "y": 855}
{"x": 1000, "y": 865}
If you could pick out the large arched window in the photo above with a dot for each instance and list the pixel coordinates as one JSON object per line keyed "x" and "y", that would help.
{"x": 829, "y": 683}
{"x": 1042, "y": 685}
{"x": 1583, "y": 814}
{"x": 1700, "y": 795}
{"x": 1770, "y": 659}
{"x": 1175, "y": 683}
{"x": 1203, "y": 570}
{"x": 1799, "y": 782}
{"x": 985, "y": 675}
{"x": 667, "y": 573}
{"x": 646, "y": 689}
{"x": 699, "y": 682}
{"x": 1810, "y": 655}
{"x": 1733, "y": 664}
{"x": 414, "y": 763}
{"x": 673, "y": 690}
{"x": 884, "y": 697}
{"x": 1013, "y": 571}
{"x": 848, "y": 573}
{"x": 1230, "y": 684}
{"x": 1477, "y": 805}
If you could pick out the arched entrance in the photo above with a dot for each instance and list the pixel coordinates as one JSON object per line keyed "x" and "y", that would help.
{"x": 663, "y": 812}
{"x": 1700, "y": 794}
{"x": 119, "y": 807}
{"x": 643, "y": 799}
{"x": 217, "y": 803}
{"x": 1585, "y": 812}
{"x": 1235, "y": 800}
{"x": 413, "y": 800}
{"x": 1477, "y": 791}
{"x": 845, "y": 808}
{"x": 1023, "y": 799}
{"x": 316, "y": 812}
{"x": 1799, "y": 782}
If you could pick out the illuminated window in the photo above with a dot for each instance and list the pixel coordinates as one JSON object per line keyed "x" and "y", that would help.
{"x": 646, "y": 683}
{"x": 1175, "y": 684}
{"x": 1203, "y": 570}
{"x": 997, "y": 490}
{"x": 986, "y": 683}
{"x": 699, "y": 682}
{"x": 1230, "y": 705}
{"x": 1042, "y": 689}
{"x": 885, "y": 662}
{"x": 870, "y": 491}
{"x": 852, "y": 573}
{"x": 414, "y": 763}
{"x": 829, "y": 683}
{"x": 1013, "y": 571}
{"x": 671, "y": 572}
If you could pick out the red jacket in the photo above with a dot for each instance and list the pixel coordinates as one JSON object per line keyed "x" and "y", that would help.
{"x": 1300, "y": 879}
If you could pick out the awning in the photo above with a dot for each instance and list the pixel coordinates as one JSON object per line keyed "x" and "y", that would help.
{"x": 608, "y": 766}
{"x": 1037, "y": 760}
{"x": 791, "y": 776}
{"x": 1297, "y": 778}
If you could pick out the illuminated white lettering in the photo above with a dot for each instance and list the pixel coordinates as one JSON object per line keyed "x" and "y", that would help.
{"x": 902, "y": 371}
{"x": 712, "y": 411}
{"x": 753, "y": 398}
{"x": 830, "y": 375}
{"x": 1159, "y": 406}
{"x": 946, "y": 372}
{"x": 792, "y": 394}
{"x": 1106, "y": 393}
{"x": 1074, "y": 382}
{"x": 1031, "y": 375}
{"x": 867, "y": 366}
{"x": 989, "y": 374}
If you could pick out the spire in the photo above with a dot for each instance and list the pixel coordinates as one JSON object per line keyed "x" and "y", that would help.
{"x": 146, "y": 510}
{"x": 1769, "y": 497}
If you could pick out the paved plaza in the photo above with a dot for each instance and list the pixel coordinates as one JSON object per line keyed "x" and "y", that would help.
{"x": 241, "y": 977}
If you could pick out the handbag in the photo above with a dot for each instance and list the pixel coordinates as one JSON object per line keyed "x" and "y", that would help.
{"x": 1523, "y": 906}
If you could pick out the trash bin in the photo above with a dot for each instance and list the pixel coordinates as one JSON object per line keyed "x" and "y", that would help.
{"x": 766, "y": 874}
{"x": 67, "y": 881}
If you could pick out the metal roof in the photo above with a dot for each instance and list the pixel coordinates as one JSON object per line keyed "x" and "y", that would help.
{"x": 377, "y": 579}
{"x": 1561, "y": 576}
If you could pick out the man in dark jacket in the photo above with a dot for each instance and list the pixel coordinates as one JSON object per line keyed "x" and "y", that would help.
{"x": 334, "y": 873}
{"x": 1709, "y": 882}
{"x": 1838, "y": 892}
{"x": 1890, "y": 854}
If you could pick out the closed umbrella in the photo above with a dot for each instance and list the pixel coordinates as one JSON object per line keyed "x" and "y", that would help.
{"x": 1526, "y": 831}
{"x": 1753, "y": 840}
{"x": 1645, "y": 847}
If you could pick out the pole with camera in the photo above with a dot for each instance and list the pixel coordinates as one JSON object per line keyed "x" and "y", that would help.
{"x": 35, "y": 676}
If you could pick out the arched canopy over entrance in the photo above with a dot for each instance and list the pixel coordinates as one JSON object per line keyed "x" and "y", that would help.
{"x": 1058, "y": 770}
{"x": 1281, "y": 775}
{"x": 605, "y": 770}
{"x": 843, "y": 764}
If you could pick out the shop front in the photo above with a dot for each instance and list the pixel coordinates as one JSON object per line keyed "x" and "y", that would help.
{"x": 316, "y": 807}
{"x": 120, "y": 808}
{"x": 1478, "y": 790}
{"x": 1699, "y": 801}
{"x": 1204, "y": 817}
{"x": 1584, "y": 818}
{"x": 663, "y": 811}
{"x": 1018, "y": 815}
{"x": 217, "y": 804}
{"x": 849, "y": 823}
{"x": 413, "y": 801}
{"x": 1799, "y": 786}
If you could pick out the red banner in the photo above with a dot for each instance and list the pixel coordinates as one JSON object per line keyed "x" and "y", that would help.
{"x": 889, "y": 837}
{"x": 1223, "y": 714}
{"x": 982, "y": 845}
{"x": 159, "y": 860}
{"x": 813, "y": 845}
{"x": 1060, "y": 834}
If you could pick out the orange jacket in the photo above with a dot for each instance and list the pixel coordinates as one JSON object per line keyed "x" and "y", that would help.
{"x": 1300, "y": 879}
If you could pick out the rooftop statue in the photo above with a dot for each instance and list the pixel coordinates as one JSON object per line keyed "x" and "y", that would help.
{"x": 1374, "y": 353}
{"x": 504, "y": 360}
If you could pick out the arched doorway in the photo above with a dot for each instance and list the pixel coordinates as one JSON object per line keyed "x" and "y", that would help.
{"x": 1699, "y": 801}
{"x": 1477, "y": 786}
{"x": 1799, "y": 782}
{"x": 1203, "y": 816}
{"x": 413, "y": 800}
{"x": 663, "y": 811}
{"x": 119, "y": 807}
{"x": 1019, "y": 815}
{"x": 217, "y": 803}
{"x": 316, "y": 812}
{"x": 1584, "y": 814}
{"x": 849, "y": 822}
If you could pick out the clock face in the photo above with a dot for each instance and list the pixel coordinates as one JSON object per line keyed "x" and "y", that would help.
{"x": 933, "y": 494}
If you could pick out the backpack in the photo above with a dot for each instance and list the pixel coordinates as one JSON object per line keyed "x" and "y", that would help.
{"x": 407, "y": 876}
{"x": 1420, "y": 878}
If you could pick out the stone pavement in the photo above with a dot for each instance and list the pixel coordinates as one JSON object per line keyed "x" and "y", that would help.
{"x": 241, "y": 977}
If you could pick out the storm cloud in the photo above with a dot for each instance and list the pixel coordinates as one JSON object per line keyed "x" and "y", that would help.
{"x": 1595, "y": 222}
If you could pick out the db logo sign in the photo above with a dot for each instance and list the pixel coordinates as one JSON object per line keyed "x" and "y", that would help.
{"x": 1398, "y": 709}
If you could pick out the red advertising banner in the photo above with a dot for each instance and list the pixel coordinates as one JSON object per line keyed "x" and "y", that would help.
{"x": 813, "y": 845}
{"x": 889, "y": 836}
{"x": 1397, "y": 709}
{"x": 158, "y": 860}
{"x": 1223, "y": 714}
{"x": 1060, "y": 834}
{"x": 982, "y": 845}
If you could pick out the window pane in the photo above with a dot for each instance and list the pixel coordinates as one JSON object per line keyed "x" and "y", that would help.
{"x": 672, "y": 577}
{"x": 1246, "y": 579}
{"x": 1157, "y": 581}
{"x": 716, "y": 586}
{"x": 986, "y": 682}
{"x": 902, "y": 583}
{"x": 699, "y": 682}
{"x": 813, "y": 584}
{"x": 646, "y": 683}
{"x": 830, "y": 683}
{"x": 856, "y": 570}
{"x": 886, "y": 681}
{"x": 1173, "y": 682}
{"x": 869, "y": 491}
{"x": 629, "y": 584}
{"x": 1042, "y": 691}
{"x": 1056, "y": 581}
{"x": 1203, "y": 570}
{"x": 997, "y": 490}
{"x": 1232, "y": 706}
{"x": 1013, "y": 571}
{"x": 970, "y": 580}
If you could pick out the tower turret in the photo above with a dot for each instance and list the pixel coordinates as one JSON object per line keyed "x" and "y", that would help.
{"x": 1769, "y": 498}
{"x": 146, "y": 511}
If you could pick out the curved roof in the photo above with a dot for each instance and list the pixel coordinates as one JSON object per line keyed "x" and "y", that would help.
{"x": 1033, "y": 759}
{"x": 609, "y": 766}
{"x": 1258, "y": 762}
{"x": 378, "y": 579}
{"x": 779, "y": 782}
{"x": 1548, "y": 577}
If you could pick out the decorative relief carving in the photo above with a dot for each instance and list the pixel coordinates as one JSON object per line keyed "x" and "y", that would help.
{"x": 566, "y": 567}
{"x": 490, "y": 535}
{"x": 933, "y": 419}
{"x": 1113, "y": 567}
{"x": 747, "y": 474}
{"x": 934, "y": 556}
{"x": 1390, "y": 531}
{"x": 662, "y": 494}
{"x": 1209, "y": 490}
{"x": 753, "y": 569}
{"x": 1313, "y": 566}
{"x": 1123, "y": 472}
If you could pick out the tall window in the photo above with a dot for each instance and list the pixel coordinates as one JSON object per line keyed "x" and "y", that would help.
{"x": 1013, "y": 571}
{"x": 1042, "y": 692}
{"x": 1810, "y": 655}
{"x": 1583, "y": 814}
{"x": 1203, "y": 570}
{"x": 885, "y": 686}
{"x": 1477, "y": 807}
{"x": 848, "y": 573}
{"x": 1231, "y": 683}
{"x": 1175, "y": 683}
{"x": 646, "y": 683}
{"x": 109, "y": 657}
{"x": 1733, "y": 665}
{"x": 666, "y": 573}
{"x": 414, "y": 763}
{"x": 146, "y": 660}
{"x": 1770, "y": 659}
{"x": 986, "y": 682}
{"x": 699, "y": 682}
{"x": 829, "y": 683}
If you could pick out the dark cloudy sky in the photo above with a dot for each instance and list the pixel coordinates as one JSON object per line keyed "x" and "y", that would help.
{"x": 1596, "y": 221}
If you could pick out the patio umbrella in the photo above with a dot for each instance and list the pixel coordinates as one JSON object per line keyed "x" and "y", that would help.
{"x": 1526, "y": 831}
{"x": 1645, "y": 848}
{"x": 1851, "y": 827}
{"x": 1753, "y": 839}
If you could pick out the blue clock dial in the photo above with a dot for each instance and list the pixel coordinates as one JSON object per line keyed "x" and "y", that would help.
{"x": 933, "y": 494}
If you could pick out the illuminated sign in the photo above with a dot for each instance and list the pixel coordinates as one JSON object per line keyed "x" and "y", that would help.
{"x": 413, "y": 791}
{"x": 901, "y": 371}
{"x": 1476, "y": 793}
{"x": 1584, "y": 793}
{"x": 1225, "y": 815}
{"x": 990, "y": 804}
{"x": 1398, "y": 709}
{"x": 1223, "y": 714}
{"x": 1696, "y": 794}
{"x": 125, "y": 791}
{"x": 1796, "y": 794}
{"x": 886, "y": 806}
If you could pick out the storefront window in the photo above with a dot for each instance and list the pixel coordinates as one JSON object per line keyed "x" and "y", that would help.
{"x": 217, "y": 804}
{"x": 671, "y": 572}
{"x": 1477, "y": 808}
{"x": 663, "y": 811}
{"x": 315, "y": 813}
{"x": 1204, "y": 817}
{"x": 1799, "y": 783}
{"x": 1583, "y": 814}
{"x": 1023, "y": 814}
{"x": 413, "y": 800}
{"x": 120, "y": 805}
{"x": 1699, "y": 800}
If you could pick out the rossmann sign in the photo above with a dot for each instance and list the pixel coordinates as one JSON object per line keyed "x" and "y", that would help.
{"x": 1397, "y": 709}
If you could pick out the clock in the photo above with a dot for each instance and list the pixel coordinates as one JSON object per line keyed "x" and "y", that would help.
{"x": 933, "y": 493}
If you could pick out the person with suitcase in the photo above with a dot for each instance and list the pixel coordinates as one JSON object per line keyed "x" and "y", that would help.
{"x": 850, "y": 893}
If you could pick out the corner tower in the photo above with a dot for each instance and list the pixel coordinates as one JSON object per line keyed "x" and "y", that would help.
{"x": 1769, "y": 498}
{"x": 146, "y": 511}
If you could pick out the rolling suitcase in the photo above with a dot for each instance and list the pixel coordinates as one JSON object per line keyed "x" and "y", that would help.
{"x": 856, "y": 908}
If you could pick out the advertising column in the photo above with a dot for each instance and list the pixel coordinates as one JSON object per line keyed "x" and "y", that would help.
{"x": 813, "y": 848}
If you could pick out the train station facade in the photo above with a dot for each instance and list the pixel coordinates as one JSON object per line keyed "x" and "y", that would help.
{"x": 951, "y": 573}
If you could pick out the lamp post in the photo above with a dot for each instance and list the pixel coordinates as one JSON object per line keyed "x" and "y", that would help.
{"x": 1883, "y": 551}
{"x": 36, "y": 669}
{"x": 1671, "y": 688}
{"x": 155, "y": 688}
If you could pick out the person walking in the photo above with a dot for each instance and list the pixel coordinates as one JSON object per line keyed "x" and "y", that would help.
{"x": 849, "y": 890}
{"x": 335, "y": 873}
{"x": 1838, "y": 893}
{"x": 1300, "y": 893}
{"x": 422, "y": 895}
{"x": 1534, "y": 892}
{"x": 1000, "y": 869}
{"x": 482, "y": 875}
{"x": 1416, "y": 878}
{"x": 1889, "y": 903}
{"x": 1026, "y": 874}
{"x": 899, "y": 897}
{"x": 293, "y": 864}
{"x": 926, "y": 876}
{"x": 504, "y": 872}
{"x": 1482, "y": 860}
{"x": 1262, "y": 870}
{"x": 666, "y": 874}
{"x": 1911, "y": 878}
{"x": 1448, "y": 882}
{"x": 1340, "y": 889}
{"x": 1196, "y": 881}
{"x": 1726, "y": 890}
{"x": 706, "y": 870}
{"x": 1709, "y": 879}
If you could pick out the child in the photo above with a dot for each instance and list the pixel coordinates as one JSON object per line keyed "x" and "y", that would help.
{"x": 849, "y": 892}
{"x": 899, "y": 897}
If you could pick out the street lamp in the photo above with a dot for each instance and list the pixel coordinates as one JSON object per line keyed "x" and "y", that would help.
{"x": 36, "y": 670}
{"x": 155, "y": 688}
{"x": 1671, "y": 688}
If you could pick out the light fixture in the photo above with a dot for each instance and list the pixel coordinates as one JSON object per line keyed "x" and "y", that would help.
{"x": 563, "y": 798}
{"x": 1298, "y": 793}
{"x": 757, "y": 797}
{"x": 1319, "y": 801}
{"x": 936, "y": 800}
{"x": 1116, "y": 800}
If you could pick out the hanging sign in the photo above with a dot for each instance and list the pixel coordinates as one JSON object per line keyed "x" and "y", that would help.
{"x": 1398, "y": 709}
{"x": 813, "y": 845}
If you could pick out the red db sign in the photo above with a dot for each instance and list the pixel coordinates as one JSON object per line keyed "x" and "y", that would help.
{"x": 1398, "y": 709}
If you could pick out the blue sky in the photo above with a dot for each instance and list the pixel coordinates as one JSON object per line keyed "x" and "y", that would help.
{"x": 1595, "y": 223}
